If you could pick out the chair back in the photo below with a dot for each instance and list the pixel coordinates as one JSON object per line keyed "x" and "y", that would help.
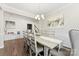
{"x": 33, "y": 44}
{"x": 74, "y": 39}
{"x": 32, "y": 39}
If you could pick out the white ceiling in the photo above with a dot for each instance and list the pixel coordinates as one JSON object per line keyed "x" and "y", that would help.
{"x": 37, "y": 8}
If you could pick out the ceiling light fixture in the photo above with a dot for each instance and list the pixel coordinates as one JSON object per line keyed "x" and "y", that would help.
{"x": 39, "y": 17}
{"x": 42, "y": 16}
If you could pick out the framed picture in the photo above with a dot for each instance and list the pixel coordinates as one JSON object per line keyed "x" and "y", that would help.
{"x": 56, "y": 22}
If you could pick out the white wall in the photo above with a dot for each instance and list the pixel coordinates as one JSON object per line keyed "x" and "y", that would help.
{"x": 1, "y": 29}
{"x": 16, "y": 11}
{"x": 20, "y": 17}
{"x": 20, "y": 21}
{"x": 71, "y": 21}
{"x": 1, "y": 22}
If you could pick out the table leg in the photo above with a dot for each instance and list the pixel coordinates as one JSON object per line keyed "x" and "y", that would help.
{"x": 48, "y": 52}
{"x": 45, "y": 51}
{"x": 59, "y": 48}
{"x": 30, "y": 53}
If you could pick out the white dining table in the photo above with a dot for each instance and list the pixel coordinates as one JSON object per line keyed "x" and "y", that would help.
{"x": 48, "y": 42}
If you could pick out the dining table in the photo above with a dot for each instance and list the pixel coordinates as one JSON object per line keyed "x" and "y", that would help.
{"x": 48, "y": 43}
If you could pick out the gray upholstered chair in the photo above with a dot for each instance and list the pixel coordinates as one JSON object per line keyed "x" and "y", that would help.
{"x": 74, "y": 38}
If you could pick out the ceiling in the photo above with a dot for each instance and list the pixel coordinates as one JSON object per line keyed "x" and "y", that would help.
{"x": 37, "y": 8}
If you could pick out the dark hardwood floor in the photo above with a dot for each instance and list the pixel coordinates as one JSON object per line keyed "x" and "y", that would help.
{"x": 18, "y": 47}
{"x": 13, "y": 48}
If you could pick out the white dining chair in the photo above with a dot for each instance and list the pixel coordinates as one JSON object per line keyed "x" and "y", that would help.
{"x": 74, "y": 39}
{"x": 35, "y": 48}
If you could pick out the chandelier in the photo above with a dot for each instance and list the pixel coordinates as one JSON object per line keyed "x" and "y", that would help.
{"x": 39, "y": 16}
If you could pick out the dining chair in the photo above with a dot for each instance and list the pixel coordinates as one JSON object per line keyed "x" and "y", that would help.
{"x": 74, "y": 39}
{"x": 35, "y": 48}
{"x": 26, "y": 43}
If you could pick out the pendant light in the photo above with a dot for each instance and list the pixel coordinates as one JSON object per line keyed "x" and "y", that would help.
{"x": 39, "y": 16}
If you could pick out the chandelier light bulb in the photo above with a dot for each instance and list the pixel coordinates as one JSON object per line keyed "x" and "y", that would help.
{"x": 42, "y": 16}
{"x": 35, "y": 17}
{"x": 38, "y": 18}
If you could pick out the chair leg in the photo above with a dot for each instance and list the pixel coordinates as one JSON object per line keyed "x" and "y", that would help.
{"x": 43, "y": 49}
{"x": 48, "y": 52}
{"x": 30, "y": 52}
